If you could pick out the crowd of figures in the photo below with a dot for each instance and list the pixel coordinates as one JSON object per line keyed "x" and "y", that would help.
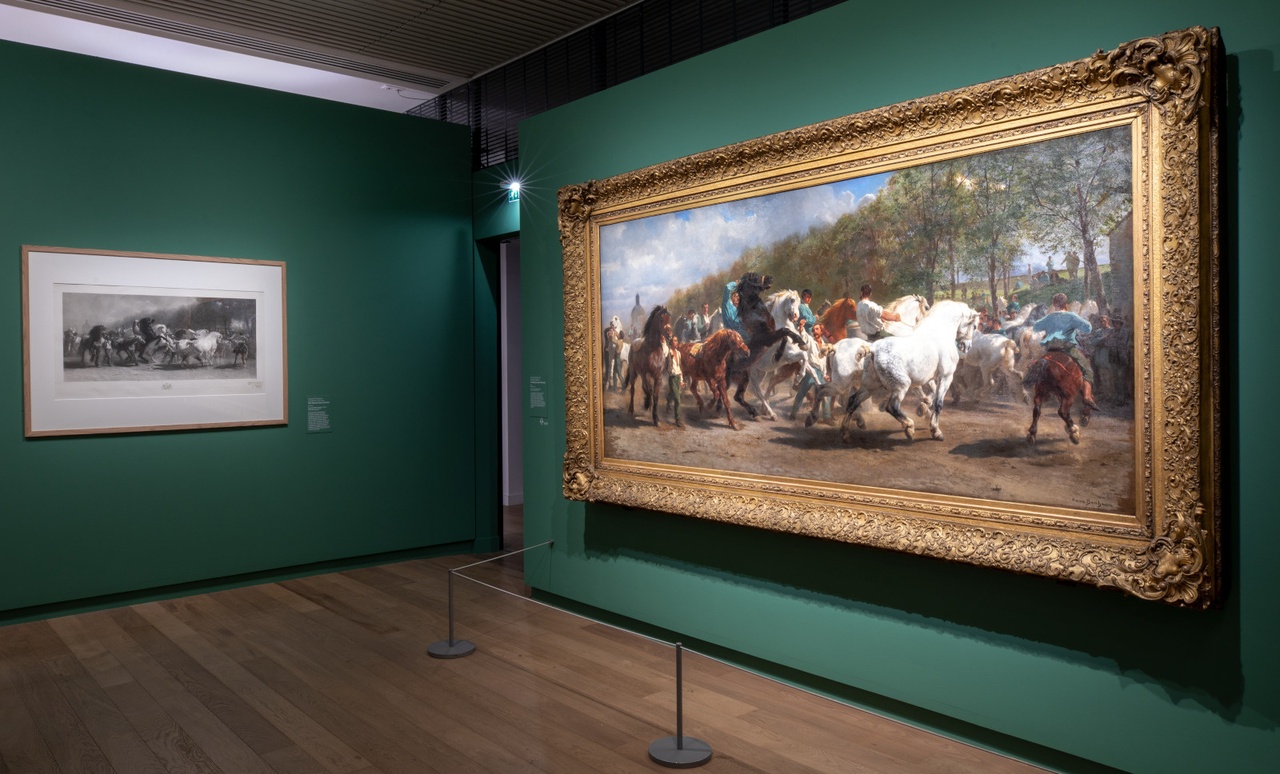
{"x": 147, "y": 341}
{"x": 857, "y": 355}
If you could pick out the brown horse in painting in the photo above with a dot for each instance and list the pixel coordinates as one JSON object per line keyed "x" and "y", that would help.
{"x": 646, "y": 362}
{"x": 710, "y": 364}
{"x": 836, "y": 319}
{"x": 1056, "y": 374}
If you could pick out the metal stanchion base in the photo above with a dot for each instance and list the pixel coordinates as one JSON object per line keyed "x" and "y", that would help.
{"x": 667, "y": 752}
{"x": 455, "y": 649}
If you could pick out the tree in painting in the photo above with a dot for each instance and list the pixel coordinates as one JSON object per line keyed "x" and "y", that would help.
{"x": 1076, "y": 188}
{"x": 993, "y": 239}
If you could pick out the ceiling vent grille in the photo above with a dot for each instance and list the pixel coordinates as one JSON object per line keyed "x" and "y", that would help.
{"x": 644, "y": 37}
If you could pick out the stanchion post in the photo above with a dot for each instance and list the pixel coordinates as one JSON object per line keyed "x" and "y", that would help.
{"x": 679, "y": 751}
{"x": 451, "y": 648}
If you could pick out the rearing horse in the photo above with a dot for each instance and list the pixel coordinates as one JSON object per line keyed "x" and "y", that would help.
{"x": 764, "y": 330}
{"x": 646, "y": 362}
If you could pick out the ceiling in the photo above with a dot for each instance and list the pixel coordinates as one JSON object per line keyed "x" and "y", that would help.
{"x": 387, "y": 54}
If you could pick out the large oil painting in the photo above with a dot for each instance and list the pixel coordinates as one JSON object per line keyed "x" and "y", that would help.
{"x": 980, "y": 326}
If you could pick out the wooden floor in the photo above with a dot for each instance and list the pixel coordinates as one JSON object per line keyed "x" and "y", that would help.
{"x": 329, "y": 674}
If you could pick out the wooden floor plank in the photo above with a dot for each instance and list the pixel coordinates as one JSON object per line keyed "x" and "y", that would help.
{"x": 335, "y": 756}
{"x": 329, "y": 674}
{"x": 198, "y": 727}
{"x": 21, "y": 747}
{"x": 27, "y": 648}
{"x": 179, "y": 752}
{"x": 99, "y": 662}
{"x": 110, "y": 729}
{"x": 380, "y": 749}
{"x": 319, "y": 667}
{"x": 230, "y": 709}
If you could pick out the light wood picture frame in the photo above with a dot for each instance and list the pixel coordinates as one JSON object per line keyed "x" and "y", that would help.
{"x": 129, "y": 342}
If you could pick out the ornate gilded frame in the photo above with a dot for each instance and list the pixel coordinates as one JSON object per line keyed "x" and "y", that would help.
{"x": 1170, "y": 550}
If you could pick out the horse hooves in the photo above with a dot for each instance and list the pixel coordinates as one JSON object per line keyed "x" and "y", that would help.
{"x": 808, "y": 421}
{"x": 1075, "y": 435}
{"x": 920, "y": 410}
{"x": 937, "y": 435}
{"x": 1084, "y": 421}
{"x": 911, "y": 434}
{"x": 1031, "y": 438}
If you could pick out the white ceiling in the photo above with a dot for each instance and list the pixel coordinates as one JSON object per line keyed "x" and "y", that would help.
{"x": 384, "y": 54}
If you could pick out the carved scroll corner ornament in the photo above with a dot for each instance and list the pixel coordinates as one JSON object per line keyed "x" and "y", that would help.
{"x": 1168, "y": 69}
{"x": 577, "y": 477}
{"x": 1171, "y": 568}
{"x": 576, "y": 205}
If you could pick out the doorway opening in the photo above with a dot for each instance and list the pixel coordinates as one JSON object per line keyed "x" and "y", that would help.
{"x": 511, "y": 395}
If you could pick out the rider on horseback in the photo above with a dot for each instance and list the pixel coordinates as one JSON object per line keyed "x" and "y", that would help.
{"x": 1060, "y": 328}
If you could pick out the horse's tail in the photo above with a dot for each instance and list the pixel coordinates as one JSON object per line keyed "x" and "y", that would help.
{"x": 1034, "y": 372}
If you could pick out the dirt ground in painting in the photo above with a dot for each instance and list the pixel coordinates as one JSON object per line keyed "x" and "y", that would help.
{"x": 75, "y": 370}
{"x": 985, "y": 453}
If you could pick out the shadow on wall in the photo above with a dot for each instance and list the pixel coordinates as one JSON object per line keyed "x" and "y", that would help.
{"x": 1190, "y": 655}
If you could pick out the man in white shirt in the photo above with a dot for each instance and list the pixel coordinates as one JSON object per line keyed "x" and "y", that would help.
{"x": 872, "y": 316}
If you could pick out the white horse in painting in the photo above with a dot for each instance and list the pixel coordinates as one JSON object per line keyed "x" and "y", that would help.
{"x": 911, "y": 310}
{"x": 615, "y": 351}
{"x": 715, "y": 322}
{"x": 926, "y": 359}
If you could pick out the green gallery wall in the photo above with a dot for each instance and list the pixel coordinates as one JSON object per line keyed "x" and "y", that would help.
{"x": 1077, "y": 677}
{"x": 371, "y": 213}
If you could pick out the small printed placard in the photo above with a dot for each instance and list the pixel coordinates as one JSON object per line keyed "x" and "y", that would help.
{"x": 318, "y": 415}
{"x": 537, "y": 396}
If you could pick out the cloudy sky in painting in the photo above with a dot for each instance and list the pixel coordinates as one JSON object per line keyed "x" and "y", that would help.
{"x": 657, "y": 255}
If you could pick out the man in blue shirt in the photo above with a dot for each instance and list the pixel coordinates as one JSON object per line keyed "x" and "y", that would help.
{"x": 1060, "y": 328}
{"x": 806, "y": 314}
{"x": 729, "y": 309}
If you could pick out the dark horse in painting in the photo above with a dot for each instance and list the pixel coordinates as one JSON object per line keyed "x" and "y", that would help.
{"x": 1056, "y": 374}
{"x": 762, "y": 333}
{"x": 646, "y": 362}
